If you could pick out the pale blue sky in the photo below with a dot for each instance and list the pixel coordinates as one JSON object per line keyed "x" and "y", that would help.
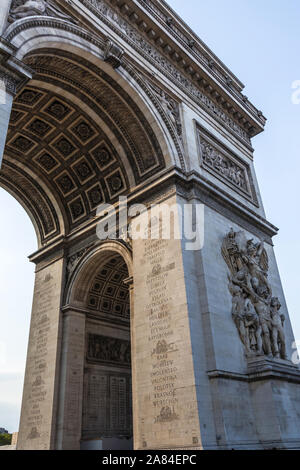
{"x": 259, "y": 41}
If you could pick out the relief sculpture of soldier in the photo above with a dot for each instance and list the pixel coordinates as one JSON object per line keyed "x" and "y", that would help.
{"x": 255, "y": 312}
{"x": 223, "y": 165}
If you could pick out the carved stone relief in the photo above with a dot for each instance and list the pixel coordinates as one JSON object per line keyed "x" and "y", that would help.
{"x": 170, "y": 106}
{"x": 113, "y": 53}
{"x": 255, "y": 312}
{"x": 225, "y": 166}
{"x": 131, "y": 35}
{"x": 73, "y": 261}
{"x": 108, "y": 350}
{"x": 24, "y": 8}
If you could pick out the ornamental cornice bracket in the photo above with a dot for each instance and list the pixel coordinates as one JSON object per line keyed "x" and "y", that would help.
{"x": 14, "y": 74}
{"x": 113, "y": 53}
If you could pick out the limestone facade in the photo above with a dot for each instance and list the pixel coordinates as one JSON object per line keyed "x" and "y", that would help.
{"x": 141, "y": 343}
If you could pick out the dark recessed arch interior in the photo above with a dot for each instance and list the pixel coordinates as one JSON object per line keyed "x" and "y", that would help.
{"x": 107, "y": 396}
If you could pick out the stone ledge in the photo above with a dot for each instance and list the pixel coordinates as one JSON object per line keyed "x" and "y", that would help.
{"x": 7, "y": 447}
{"x": 260, "y": 369}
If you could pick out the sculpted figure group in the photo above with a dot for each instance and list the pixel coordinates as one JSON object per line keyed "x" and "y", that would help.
{"x": 255, "y": 311}
{"x": 222, "y": 165}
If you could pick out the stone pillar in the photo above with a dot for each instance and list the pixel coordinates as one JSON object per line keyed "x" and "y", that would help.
{"x": 130, "y": 284}
{"x": 39, "y": 405}
{"x": 71, "y": 382}
{"x": 4, "y": 10}
{"x": 165, "y": 396}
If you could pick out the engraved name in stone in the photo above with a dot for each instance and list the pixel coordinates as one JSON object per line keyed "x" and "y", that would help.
{"x": 163, "y": 371}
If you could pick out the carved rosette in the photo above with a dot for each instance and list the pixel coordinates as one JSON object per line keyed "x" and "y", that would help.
{"x": 255, "y": 312}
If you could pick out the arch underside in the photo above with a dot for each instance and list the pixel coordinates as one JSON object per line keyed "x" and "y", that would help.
{"x": 76, "y": 139}
{"x": 107, "y": 400}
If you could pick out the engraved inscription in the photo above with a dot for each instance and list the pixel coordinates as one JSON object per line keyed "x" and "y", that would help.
{"x": 107, "y": 408}
{"x": 163, "y": 370}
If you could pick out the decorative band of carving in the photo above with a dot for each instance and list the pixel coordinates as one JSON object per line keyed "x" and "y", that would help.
{"x": 9, "y": 82}
{"x": 108, "y": 350}
{"x": 132, "y": 36}
{"x": 170, "y": 113}
{"x": 102, "y": 45}
{"x": 224, "y": 165}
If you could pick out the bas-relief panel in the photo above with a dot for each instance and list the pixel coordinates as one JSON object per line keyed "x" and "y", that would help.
{"x": 220, "y": 162}
{"x": 255, "y": 311}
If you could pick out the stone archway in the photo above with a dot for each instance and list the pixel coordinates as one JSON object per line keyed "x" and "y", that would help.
{"x": 78, "y": 136}
{"x": 81, "y": 140}
{"x": 107, "y": 395}
{"x": 97, "y": 118}
{"x": 95, "y": 398}
{"x": 81, "y": 133}
{"x": 112, "y": 98}
{"x": 88, "y": 127}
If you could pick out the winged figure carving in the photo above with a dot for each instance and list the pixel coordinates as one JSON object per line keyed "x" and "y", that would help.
{"x": 259, "y": 324}
{"x": 24, "y": 8}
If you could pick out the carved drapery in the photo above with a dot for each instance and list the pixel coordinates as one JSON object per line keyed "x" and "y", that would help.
{"x": 108, "y": 350}
{"x": 226, "y": 166}
{"x": 24, "y": 8}
{"x": 255, "y": 312}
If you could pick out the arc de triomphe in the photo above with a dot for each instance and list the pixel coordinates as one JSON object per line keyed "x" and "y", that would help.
{"x": 141, "y": 342}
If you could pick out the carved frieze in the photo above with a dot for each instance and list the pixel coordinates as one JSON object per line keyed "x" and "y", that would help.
{"x": 136, "y": 39}
{"x": 73, "y": 261}
{"x": 170, "y": 106}
{"x": 108, "y": 350}
{"x": 255, "y": 312}
{"x": 224, "y": 165}
{"x": 132, "y": 36}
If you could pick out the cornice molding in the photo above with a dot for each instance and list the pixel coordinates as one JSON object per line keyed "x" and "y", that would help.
{"x": 187, "y": 53}
{"x": 13, "y": 72}
{"x": 197, "y": 49}
{"x": 146, "y": 38}
{"x": 210, "y": 100}
{"x": 171, "y": 182}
